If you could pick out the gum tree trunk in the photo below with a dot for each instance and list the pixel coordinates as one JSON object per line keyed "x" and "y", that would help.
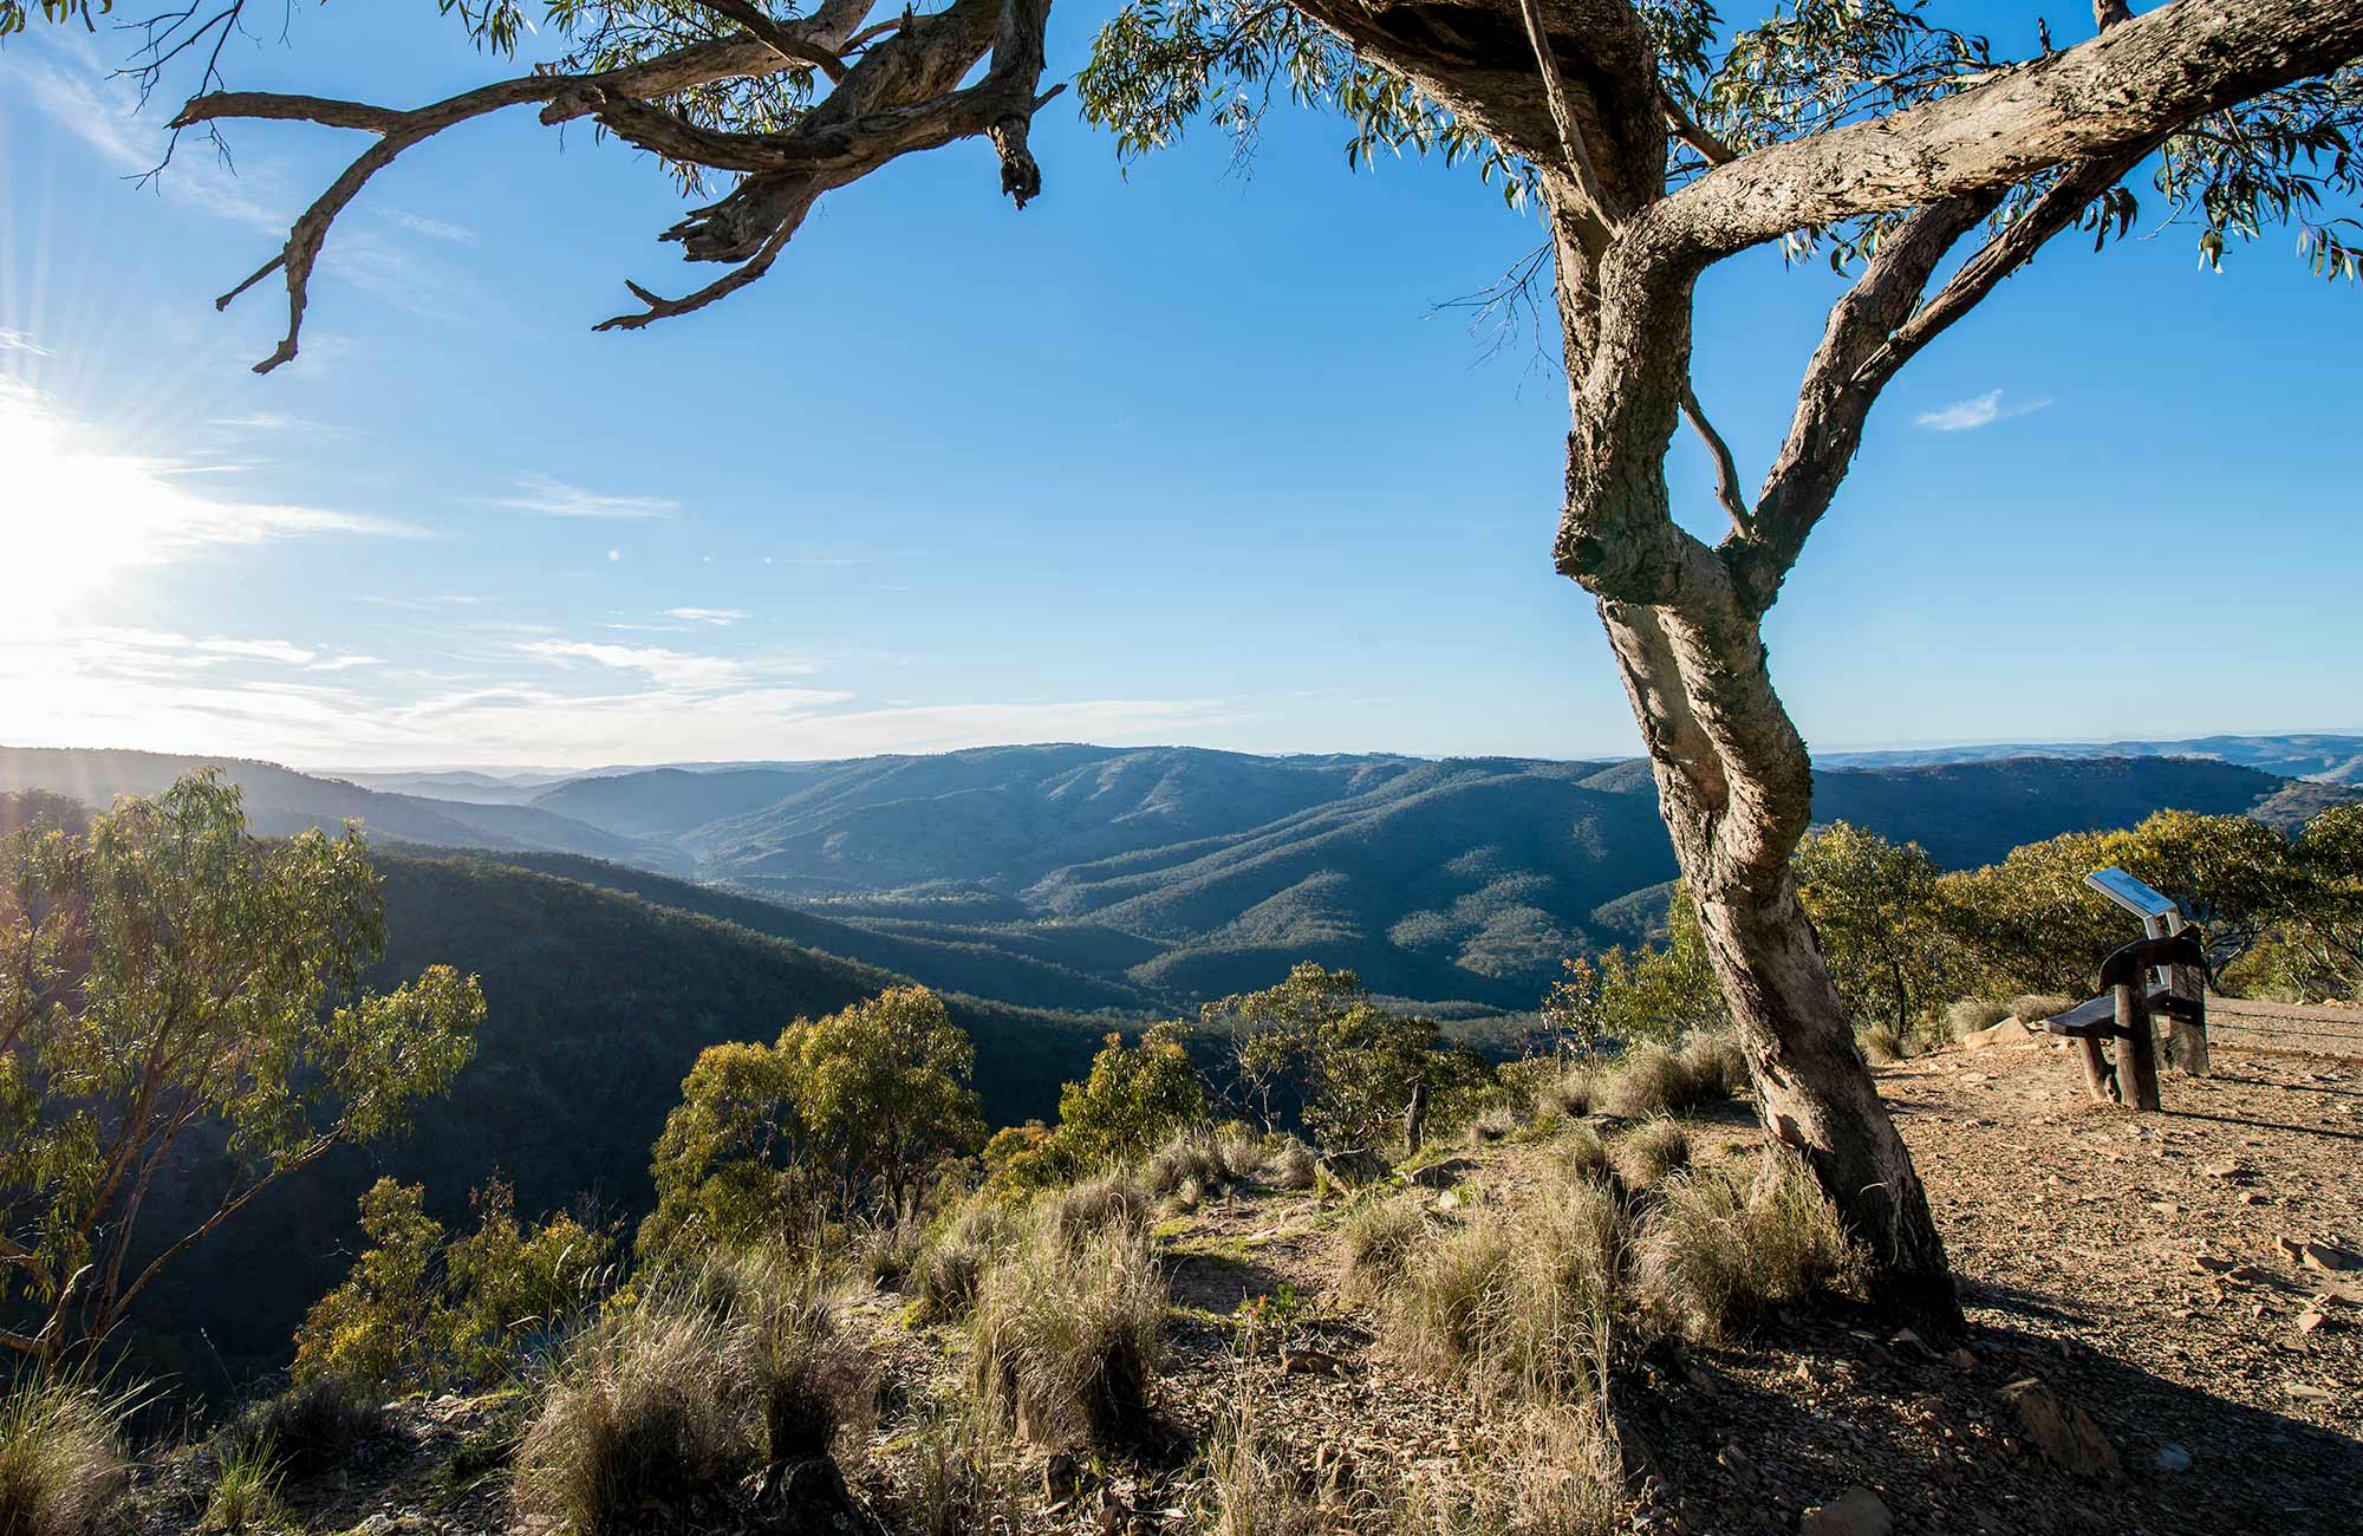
{"x": 1736, "y": 788}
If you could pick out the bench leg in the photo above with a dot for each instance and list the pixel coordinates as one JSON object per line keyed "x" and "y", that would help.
{"x": 2099, "y": 1080}
{"x": 2137, "y": 1047}
{"x": 2186, "y": 1040}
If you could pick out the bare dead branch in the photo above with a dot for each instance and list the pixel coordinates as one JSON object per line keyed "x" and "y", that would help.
{"x": 1727, "y": 491}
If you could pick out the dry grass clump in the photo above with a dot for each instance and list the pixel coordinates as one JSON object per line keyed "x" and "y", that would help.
{"x": 1644, "y": 1155}
{"x": 1293, "y": 1166}
{"x": 1721, "y": 1249}
{"x": 1556, "y": 1472}
{"x": 1574, "y": 1092}
{"x": 1079, "y": 1212}
{"x": 1523, "y": 1302}
{"x": 962, "y": 1476}
{"x": 245, "y": 1494}
{"x": 648, "y": 1405}
{"x": 1881, "y": 1044}
{"x": 1251, "y": 1489}
{"x": 61, "y": 1457}
{"x": 889, "y": 1251}
{"x": 1657, "y": 1080}
{"x": 945, "y": 1276}
{"x": 1070, "y": 1334}
{"x": 1583, "y": 1155}
{"x": 1374, "y": 1241}
{"x": 1495, "y": 1124}
{"x": 312, "y": 1426}
{"x": 813, "y": 1382}
{"x": 2030, "y": 1006}
{"x": 1971, "y": 1014}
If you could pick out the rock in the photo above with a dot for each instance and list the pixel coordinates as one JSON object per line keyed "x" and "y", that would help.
{"x": 1450, "y": 1200}
{"x": 2010, "y": 1031}
{"x": 1856, "y": 1512}
{"x": 2328, "y": 1257}
{"x": 1354, "y": 1165}
{"x": 1445, "y": 1174}
{"x": 2311, "y": 1320}
{"x": 2064, "y": 1433}
{"x": 2225, "y": 1171}
{"x": 1311, "y": 1362}
{"x": 1736, "y": 1461}
{"x": 1963, "y": 1359}
{"x": 2171, "y": 1458}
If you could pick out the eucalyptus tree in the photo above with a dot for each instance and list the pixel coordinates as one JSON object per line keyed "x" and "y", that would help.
{"x": 1656, "y": 139}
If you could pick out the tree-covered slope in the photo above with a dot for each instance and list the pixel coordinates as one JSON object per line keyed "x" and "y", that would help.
{"x": 598, "y": 1003}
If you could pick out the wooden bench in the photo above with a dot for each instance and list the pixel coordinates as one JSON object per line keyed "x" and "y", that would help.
{"x": 2123, "y": 1011}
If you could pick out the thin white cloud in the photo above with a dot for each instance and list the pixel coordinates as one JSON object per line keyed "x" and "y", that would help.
{"x": 18, "y": 341}
{"x": 1977, "y": 411}
{"x": 432, "y": 228}
{"x": 678, "y": 669}
{"x": 716, "y": 616}
{"x": 553, "y": 497}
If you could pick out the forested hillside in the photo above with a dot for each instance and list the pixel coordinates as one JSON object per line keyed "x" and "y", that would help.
{"x": 597, "y": 1004}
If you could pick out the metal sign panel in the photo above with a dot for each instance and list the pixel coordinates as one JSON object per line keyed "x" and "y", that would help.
{"x": 2134, "y": 897}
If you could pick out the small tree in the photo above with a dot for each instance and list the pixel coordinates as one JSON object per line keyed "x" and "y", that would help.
{"x": 2318, "y": 953}
{"x": 1648, "y": 992}
{"x": 166, "y": 974}
{"x": 421, "y": 1310}
{"x": 1135, "y": 1098}
{"x": 840, "y": 1119}
{"x": 1874, "y": 906}
{"x": 1268, "y": 1029}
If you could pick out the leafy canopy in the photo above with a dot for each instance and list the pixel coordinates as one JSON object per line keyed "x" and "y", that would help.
{"x": 165, "y": 972}
{"x": 840, "y": 1120}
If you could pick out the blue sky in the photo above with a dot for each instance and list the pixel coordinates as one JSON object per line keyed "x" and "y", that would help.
{"x": 1177, "y": 454}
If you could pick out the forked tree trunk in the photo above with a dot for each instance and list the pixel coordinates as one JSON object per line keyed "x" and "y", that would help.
{"x": 1735, "y": 786}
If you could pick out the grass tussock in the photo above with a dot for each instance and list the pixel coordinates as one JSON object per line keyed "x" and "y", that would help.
{"x": 1077, "y": 1214}
{"x": 1069, "y": 1334}
{"x": 1375, "y": 1240}
{"x": 1722, "y": 1249}
{"x": 2030, "y": 1006}
{"x": 944, "y": 1278}
{"x": 1195, "y": 1159}
{"x": 1646, "y": 1154}
{"x": 312, "y": 1426}
{"x": 1293, "y": 1166}
{"x": 1575, "y": 1091}
{"x": 649, "y": 1405}
{"x": 1583, "y": 1155}
{"x": 61, "y": 1457}
{"x": 962, "y": 1477}
{"x": 245, "y": 1493}
{"x": 1524, "y": 1302}
{"x": 1252, "y": 1488}
{"x": 1971, "y": 1014}
{"x": 1655, "y": 1079}
{"x": 1557, "y": 1472}
{"x": 816, "y": 1385}
{"x": 1496, "y": 1124}
{"x": 1882, "y": 1044}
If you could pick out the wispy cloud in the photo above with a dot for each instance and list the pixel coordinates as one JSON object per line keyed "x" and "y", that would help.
{"x": 18, "y": 341}
{"x": 679, "y": 669}
{"x": 432, "y": 228}
{"x": 715, "y": 616}
{"x": 1977, "y": 411}
{"x": 553, "y": 497}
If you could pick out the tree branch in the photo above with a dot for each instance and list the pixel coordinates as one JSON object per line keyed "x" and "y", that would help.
{"x": 781, "y": 39}
{"x": 1727, "y": 490}
{"x": 2124, "y": 87}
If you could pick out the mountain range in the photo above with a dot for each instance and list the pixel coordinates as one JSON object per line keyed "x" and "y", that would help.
{"x": 1086, "y": 878}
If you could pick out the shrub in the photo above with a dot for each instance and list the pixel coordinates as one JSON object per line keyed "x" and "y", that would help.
{"x": 1524, "y": 1303}
{"x": 1375, "y": 1239}
{"x": 245, "y": 1491}
{"x": 1644, "y": 1155}
{"x": 1971, "y": 1014}
{"x": 312, "y": 1426}
{"x": 1069, "y": 1334}
{"x": 648, "y": 1405}
{"x": 1720, "y": 1250}
{"x": 61, "y": 1461}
